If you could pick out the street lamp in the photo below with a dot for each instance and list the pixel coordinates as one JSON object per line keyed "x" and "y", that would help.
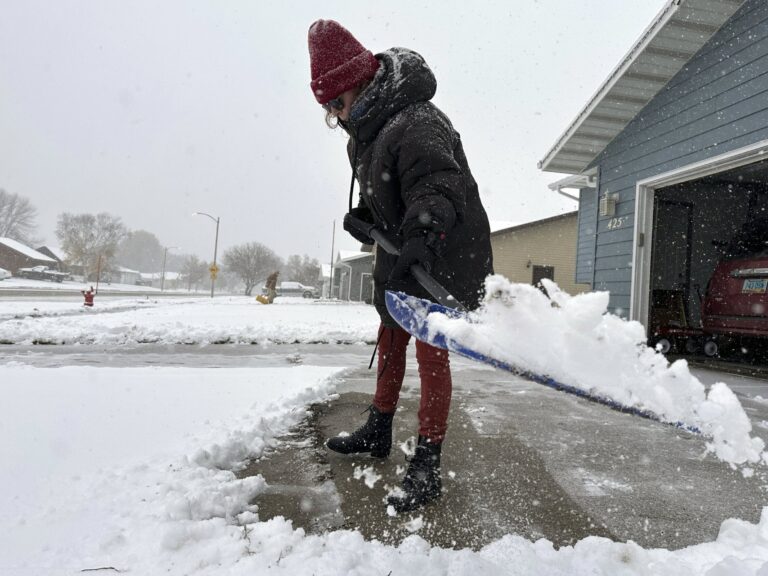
{"x": 214, "y": 268}
{"x": 165, "y": 255}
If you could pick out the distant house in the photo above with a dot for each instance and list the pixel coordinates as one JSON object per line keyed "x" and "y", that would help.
{"x": 127, "y": 276}
{"x": 171, "y": 280}
{"x": 149, "y": 279}
{"x": 15, "y": 255}
{"x": 353, "y": 276}
{"x": 546, "y": 248}
{"x": 56, "y": 253}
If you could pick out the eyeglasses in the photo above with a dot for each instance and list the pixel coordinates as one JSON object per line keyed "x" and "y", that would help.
{"x": 335, "y": 104}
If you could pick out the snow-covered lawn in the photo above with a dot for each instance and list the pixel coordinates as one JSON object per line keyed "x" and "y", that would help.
{"x": 228, "y": 319}
{"x": 131, "y": 469}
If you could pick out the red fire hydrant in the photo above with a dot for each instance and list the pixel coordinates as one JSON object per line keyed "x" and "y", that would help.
{"x": 88, "y": 295}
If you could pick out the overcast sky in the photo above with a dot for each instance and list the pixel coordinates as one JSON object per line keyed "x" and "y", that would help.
{"x": 152, "y": 110}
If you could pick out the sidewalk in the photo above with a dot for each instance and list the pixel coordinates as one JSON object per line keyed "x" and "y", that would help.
{"x": 519, "y": 459}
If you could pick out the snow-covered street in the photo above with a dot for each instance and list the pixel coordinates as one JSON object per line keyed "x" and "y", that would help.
{"x": 134, "y": 438}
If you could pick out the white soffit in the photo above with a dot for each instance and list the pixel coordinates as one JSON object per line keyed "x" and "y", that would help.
{"x": 676, "y": 34}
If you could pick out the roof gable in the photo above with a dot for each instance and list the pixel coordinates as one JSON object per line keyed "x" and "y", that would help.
{"x": 53, "y": 251}
{"x": 672, "y": 39}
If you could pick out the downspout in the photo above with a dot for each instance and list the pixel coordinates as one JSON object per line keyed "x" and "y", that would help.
{"x": 597, "y": 222}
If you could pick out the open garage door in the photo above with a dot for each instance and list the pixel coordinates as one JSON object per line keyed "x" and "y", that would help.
{"x": 708, "y": 282}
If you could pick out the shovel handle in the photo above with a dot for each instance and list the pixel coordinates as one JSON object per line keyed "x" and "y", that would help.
{"x": 436, "y": 290}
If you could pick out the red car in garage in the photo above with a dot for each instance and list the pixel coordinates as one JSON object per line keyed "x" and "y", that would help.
{"x": 735, "y": 305}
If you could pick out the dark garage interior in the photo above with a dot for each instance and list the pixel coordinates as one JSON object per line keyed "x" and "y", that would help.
{"x": 709, "y": 267}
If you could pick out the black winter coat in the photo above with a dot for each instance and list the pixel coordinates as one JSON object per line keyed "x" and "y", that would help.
{"x": 414, "y": 179}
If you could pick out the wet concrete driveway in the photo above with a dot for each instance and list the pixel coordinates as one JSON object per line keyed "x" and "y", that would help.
{"x": 519, "y": 459}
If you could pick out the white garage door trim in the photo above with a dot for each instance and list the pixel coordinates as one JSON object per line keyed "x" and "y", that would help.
{"x": 644, "y": 201}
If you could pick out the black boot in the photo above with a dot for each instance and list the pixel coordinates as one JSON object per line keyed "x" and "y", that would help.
{"x": 422, "y": 482}
{"x": 375, "y": 436}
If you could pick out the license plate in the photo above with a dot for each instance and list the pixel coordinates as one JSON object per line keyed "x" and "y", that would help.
{"x": 755, "y": 285}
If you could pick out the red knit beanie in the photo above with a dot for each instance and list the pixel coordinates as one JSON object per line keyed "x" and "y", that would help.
{"x": 339, "y": 62}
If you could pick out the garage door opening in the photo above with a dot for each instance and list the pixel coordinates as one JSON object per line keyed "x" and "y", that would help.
{"x": 708, "y": 280}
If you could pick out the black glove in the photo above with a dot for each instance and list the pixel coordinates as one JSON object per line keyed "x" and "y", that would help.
{"x": 415, "y": 250}
{"x": 362, "y": 214}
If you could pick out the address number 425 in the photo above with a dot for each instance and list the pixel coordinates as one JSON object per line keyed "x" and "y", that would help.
{"x": 614, "y": 223}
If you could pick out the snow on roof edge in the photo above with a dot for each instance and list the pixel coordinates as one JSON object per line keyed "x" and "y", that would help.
{"x": 26, "y": 250}
{"x": 55, "y": 250}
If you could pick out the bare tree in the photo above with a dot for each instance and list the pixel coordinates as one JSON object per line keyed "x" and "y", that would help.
{"x": 193, "y": 271}
{"x": 251, "y": 262}
{"x": 88, "y": 238}
{"x": 141, "y": 250}
{"x": 302, "y": 269}
{"x": 17, "y": 218}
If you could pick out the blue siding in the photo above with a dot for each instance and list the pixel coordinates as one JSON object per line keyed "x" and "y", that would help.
{"x": 718, "y": 102}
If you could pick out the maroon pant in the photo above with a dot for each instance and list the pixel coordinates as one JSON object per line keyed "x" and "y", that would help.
{"x": 435, "y": 374}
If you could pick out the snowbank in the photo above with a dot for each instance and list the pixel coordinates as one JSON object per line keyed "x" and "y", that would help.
{"x": 574, "y": 340}
{"x": 226, "y": 320}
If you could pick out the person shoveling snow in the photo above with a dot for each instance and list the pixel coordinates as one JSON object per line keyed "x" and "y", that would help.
{"x": 418, "y": 187}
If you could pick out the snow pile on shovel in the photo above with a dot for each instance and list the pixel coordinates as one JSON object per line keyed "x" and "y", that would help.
{"x": 574, "y": 340}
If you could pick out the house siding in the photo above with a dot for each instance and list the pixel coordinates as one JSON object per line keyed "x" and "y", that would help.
{"x": 717, "y": 103}
{"x": 550, "y": 242}
{"x": 355, "y": 278}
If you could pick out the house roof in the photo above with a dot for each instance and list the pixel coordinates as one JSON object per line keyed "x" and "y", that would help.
{"x": 158, "y": 275}
{"x": 26, "y": 250}
{"x": 667, "y": 44}
{"x": 57, "y": 252}
{"x": 573, "y": 214}
{"x": 497, "y": 225}
{"x": 346, "y": 255}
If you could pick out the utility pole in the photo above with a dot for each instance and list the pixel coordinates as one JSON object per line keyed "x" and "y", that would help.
{"x": 215, "y": 250}
{"x": 333, "y": 244}
{"x": 214, "y": 270}
{"x": 162, "y": 274}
